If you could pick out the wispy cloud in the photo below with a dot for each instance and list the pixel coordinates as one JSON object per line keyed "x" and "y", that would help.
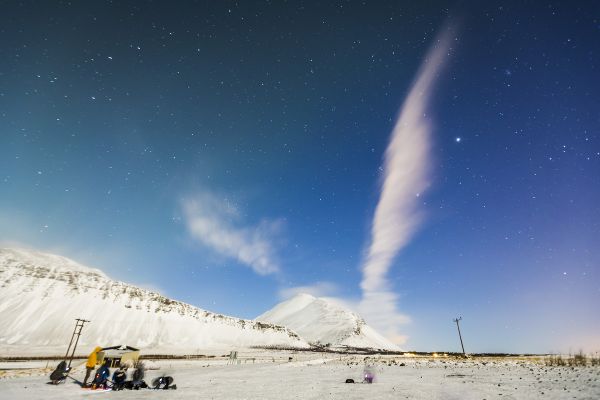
{"x": 211, "y": 221}
{"x": 319, "y": 289}
{"x": 405, "y": 178}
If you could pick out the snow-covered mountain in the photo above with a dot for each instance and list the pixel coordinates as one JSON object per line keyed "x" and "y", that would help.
{"x": 322, "y": 322}
{"x": 42, "y": 294}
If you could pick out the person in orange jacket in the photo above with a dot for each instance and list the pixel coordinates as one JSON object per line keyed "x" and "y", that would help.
{"x": 90, "y": 365}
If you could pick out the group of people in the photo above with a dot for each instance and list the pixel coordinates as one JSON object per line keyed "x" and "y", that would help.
{"x": 119, "y": 378}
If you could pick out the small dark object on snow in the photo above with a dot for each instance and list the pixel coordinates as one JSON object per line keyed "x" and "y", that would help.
{"x": 137, "y": 385}
{"x": 349, "y": 380}
{"x": 60, "y": 373}
{"x": 163, "y": 382}
{"x": 140, "y": 385}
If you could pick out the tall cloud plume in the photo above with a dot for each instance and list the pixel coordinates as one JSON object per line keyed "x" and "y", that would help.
{"x": 405, "y": 178}
{"x": 210, "y": 221}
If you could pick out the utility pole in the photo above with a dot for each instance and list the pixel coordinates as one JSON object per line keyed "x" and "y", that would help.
{"x": 459, "y": 335}
{"x": 75, "y": 337}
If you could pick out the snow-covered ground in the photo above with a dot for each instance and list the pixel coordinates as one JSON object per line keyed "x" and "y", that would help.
{"x": 270, "y": 375}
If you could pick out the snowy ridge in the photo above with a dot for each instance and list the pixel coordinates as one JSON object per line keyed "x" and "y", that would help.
{"x": 42, "y": 294}
{"x": 323, "y": 322}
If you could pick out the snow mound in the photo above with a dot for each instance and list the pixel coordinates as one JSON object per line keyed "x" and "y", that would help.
{"x": 42, "y": 294}
{"x": 323, "y": 322}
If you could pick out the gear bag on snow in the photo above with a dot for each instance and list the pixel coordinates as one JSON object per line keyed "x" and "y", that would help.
{"x": 163, "y": 382}
{"x": 60, "y": 373}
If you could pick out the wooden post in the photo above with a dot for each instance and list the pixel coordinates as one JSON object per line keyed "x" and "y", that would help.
{"x": 459, "y": 335}
{"x": 77, "y": 332}
{"x": 72, "y": 338}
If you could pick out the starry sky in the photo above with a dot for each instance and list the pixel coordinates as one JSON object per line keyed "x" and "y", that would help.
{"x": 230, "y": 154}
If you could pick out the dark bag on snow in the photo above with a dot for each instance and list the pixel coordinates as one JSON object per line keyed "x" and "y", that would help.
{"x": 163, "y": 382}
{"x": 60, "y": 373}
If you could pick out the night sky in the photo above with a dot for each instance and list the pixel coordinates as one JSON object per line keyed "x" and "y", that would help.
{"x": 229, "y": 154}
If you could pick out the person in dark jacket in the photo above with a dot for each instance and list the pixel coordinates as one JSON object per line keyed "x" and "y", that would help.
{"x": 101, "y": 378}
{"x": 119, "y": 377}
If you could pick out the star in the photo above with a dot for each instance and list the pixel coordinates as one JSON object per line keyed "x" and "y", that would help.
{"x": 458, "y": 139}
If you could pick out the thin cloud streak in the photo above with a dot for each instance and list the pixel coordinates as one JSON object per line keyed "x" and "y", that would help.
{"x": 319, "y": 289}
{"x": 398, "y": 215}
{"x": 209, "y": 221}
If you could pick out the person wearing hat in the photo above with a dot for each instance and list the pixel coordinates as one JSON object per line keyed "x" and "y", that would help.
{"x": 90, "y": 365}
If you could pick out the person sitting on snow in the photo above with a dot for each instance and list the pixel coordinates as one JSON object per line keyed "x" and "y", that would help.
{"x": 119, "y": 377}
{"x": 102, "y": 374}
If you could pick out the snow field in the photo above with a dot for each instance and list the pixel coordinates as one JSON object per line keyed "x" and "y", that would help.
{"x": 321, "y": 376}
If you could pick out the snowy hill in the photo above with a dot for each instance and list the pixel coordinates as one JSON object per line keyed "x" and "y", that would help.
{"x": 321, "y": 322}
{"x": 42, "y": 294}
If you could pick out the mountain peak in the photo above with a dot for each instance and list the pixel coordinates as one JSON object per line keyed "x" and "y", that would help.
{"x": 321, "y": 321}
{"x": 303, "y": 296}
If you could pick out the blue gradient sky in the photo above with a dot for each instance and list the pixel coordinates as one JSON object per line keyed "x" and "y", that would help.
{"x": 275, "y": 118}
